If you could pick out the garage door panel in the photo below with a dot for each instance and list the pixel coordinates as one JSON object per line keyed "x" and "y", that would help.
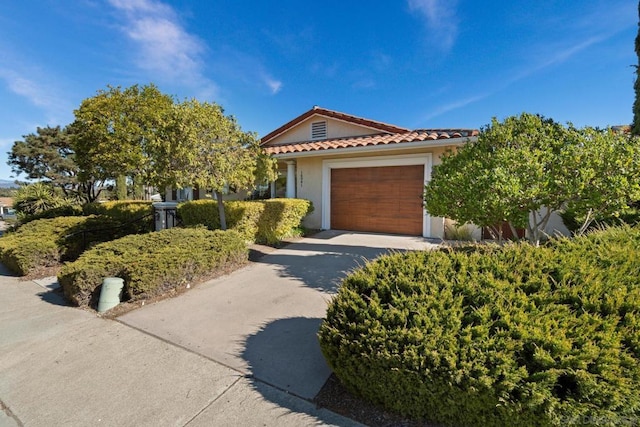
{"x": 379, "y": 199}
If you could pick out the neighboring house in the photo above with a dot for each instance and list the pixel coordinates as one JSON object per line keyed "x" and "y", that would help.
{"x": 6, "y": 207}
{"x": 360, "y": 174}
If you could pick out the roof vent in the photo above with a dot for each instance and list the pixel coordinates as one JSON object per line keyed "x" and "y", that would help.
{"x": 319, "y": 130}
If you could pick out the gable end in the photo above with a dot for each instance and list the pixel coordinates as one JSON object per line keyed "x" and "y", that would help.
{"x": 319, "y": 130}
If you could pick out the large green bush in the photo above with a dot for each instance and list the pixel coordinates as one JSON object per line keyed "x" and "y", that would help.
{"x": 262, "y": 221}
{"x": 48, "y": 242}
{"x": 153, "y": 263}
{"x": 38, "y": 244}
{"x": 134, "y": 216}
{"x": 491, "y": 336}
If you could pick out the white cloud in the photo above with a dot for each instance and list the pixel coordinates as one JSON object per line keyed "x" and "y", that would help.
{"x": 455, "y": 105}
{"x": 169, "y": 51}
{"x": 36, "y": 94}
{"x": 166, "y": 48}
{"x": 38, "y": 89}
{"x": 545, "y": 55}
{"x": 440, "y": 18}
{"x": 274, "y": 85}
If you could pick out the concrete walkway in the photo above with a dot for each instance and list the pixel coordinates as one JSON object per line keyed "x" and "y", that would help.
{"x": 238, "y": 350}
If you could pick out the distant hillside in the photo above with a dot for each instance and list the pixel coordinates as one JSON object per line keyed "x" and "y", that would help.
{"x": 5, "y": 183}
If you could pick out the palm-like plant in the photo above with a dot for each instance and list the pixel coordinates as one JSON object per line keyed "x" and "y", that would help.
{"x": 33, "y": 199}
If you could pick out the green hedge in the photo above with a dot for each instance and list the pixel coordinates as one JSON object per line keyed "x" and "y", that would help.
{"x": 153, "y": 263}
{"x": 67, "y": 210}
{"x": 38, "y": 244}
{"x": 518, "y": 336}
{"x": 126, "y": 213}
{"x": 262, "y": 221}
{"x": 48, "y": 242}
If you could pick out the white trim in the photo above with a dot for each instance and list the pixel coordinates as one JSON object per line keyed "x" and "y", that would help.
{"x": 425, "y": 159}
{"x": 453, "y": 142}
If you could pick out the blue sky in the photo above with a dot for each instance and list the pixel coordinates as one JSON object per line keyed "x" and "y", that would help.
{"x": 413, "y": 63}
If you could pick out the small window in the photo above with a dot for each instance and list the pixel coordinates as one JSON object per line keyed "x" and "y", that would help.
{"x": 318, "y": 130}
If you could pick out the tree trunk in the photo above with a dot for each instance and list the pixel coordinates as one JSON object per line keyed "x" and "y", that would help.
{"x": 223, "y": 218}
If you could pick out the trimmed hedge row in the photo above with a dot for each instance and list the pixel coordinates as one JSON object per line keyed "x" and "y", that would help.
{"x": 125, "y": 212}
{"x": 152, "y": 264}
{"x": 38, "y": 244}
{"x": 490, "y": 336}
{"x": 67, "y": 210}
{"x": 47, "y": 242}
{"x": 261, "y": 221}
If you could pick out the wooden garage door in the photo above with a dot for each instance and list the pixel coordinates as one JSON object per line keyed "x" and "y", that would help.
{"x": 379, "y": 199}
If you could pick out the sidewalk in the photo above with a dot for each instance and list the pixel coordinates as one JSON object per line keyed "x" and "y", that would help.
{"x": 65, "y": 366}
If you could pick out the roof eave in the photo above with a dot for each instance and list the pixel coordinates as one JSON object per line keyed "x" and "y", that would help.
{"x": 452, "y": 142}
{"x": 336, "y": 115}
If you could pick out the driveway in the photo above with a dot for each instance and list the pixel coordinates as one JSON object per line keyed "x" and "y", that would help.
{"x": 237, "y": 350}
{"x": 262, "y": 320}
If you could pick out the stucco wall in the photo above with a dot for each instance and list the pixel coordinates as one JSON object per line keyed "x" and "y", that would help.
{"x": 309, "y": 186}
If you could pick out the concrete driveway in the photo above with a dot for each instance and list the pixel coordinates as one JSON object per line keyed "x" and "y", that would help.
{"x": 237, "y": 350}
{"x": 262, "y": 320}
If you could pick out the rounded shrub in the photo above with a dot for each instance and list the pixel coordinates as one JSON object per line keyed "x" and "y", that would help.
{"x": 47, "y": 242}
{"x": 153, "y": 263}
{"x": 260, "y": 221}
{"x": 491, "y": 336}
{"x": 37, "y": 244}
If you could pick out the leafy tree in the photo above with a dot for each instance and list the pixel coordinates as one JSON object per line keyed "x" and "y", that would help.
{"x": 607, "y": 175}
{"x": 523, "y": 169}
{"x": 45, "y": 155}
{"x": 204, "y": 147}
{"x": 114, "y": 128}
{"x": 48, "y": 156}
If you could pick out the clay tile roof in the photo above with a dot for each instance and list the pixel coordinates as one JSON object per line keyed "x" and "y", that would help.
{"x": 384, "y": 138}
{"x": 375, "y": 125}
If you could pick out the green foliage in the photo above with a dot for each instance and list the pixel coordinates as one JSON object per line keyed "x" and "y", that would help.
{"x": 483, "y": 335}
{"x": 204, "y": 147}
{"x": 574, "y": 221}
{"x": 37, "y": 245}
{"x": 264, "y": 221}
{"x": 128, "y": 213}
{"x": 114, "y": 128}
{"x": 154, "y": 263}
{"x": 65, "y": 210}
{"x": 121, "y": 187}
{"x": 34, "y": 200}
{"x": 522, "y": 169}
{"x": 281, "y": 218}
{"x": 45, "y": 155}
{"x": 48, "y": 242}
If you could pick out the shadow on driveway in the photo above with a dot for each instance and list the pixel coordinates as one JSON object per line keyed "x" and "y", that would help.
{"x": 321, "y": 266}
{"x": 285, "y": 354}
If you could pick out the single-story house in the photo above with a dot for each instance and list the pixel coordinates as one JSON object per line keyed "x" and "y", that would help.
{"x": 361, "y": 174}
